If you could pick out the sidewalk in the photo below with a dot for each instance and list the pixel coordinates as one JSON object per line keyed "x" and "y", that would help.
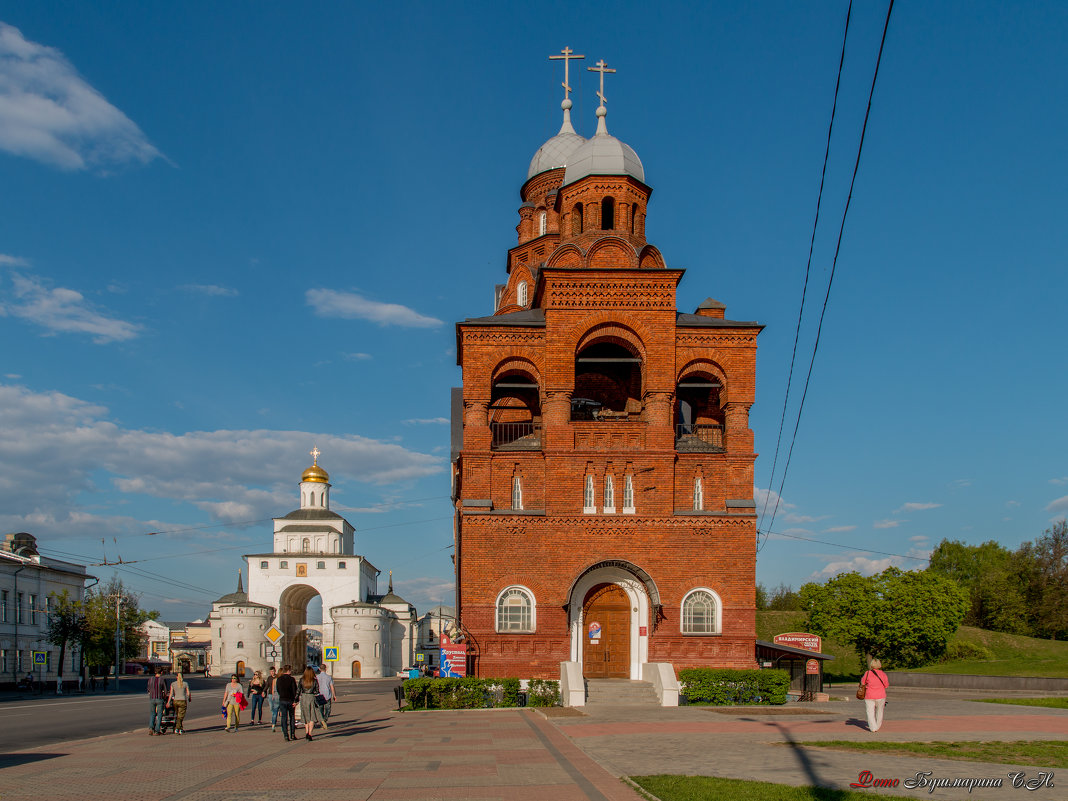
{"x": 372, "y": 752}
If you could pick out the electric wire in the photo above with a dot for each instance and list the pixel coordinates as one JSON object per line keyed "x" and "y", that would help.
{"x": 834, "y": 265}
{"x": 850, "y": 547}
{"x": 808, "y": 264}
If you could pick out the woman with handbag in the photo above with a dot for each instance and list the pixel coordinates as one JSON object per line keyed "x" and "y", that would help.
{"x": 872, "y": 689}
{"x": 309, "y": 708}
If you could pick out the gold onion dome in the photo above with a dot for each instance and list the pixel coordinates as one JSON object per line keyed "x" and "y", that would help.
{"x": 315, "y": 473}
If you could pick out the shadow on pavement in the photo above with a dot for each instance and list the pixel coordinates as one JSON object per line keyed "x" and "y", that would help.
{"x": 12, "y": 760}
{"x": 817, "y": 792}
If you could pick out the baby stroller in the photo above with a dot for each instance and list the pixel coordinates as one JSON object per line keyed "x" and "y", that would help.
{"x": 167, "y": 721}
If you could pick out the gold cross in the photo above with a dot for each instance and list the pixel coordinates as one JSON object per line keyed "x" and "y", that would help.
{"x": 568, "y": 54}
{"x": 601, "y": 68}
{"x": 315, "y": 455}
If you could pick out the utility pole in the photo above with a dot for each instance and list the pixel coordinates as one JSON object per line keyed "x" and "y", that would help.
{"x": 118, "y": 601}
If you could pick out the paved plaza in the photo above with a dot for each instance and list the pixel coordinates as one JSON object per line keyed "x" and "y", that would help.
{"x": 374, "y": 752}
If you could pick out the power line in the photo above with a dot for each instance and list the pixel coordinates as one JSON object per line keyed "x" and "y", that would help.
{"x": 847, "y": 547}
{"x": 808, "y": 264}
{"x": 834, "y": 265}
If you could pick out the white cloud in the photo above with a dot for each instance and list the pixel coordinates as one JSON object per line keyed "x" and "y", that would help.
{"x": 770, "y": 497}
{"x": 1059, "y": 481}
{"x": 425, "y": 592}
{"x": 1012, "y": 504}
{"x": 796, "y": 518}
{"x": 212, "y": 290}
{"x": 887, "y": 523}
{"x": 351, "y": 306}
{"x": 49, "y": 113}
{"x": 58, "y": 453}
{"x": 837, "y": 529}
{"x": 960, "y": 483}
{"x": 918, "y": 538}
{"x": 356, "y": 357}
{"x": 62, "y": 310}
{"x": 426, "y": 421}
{"x": 12, "y": 261}
{"x": 1059, "y": 505}
{"x": 918, "y": 507}
{"x": 860, "y": 564}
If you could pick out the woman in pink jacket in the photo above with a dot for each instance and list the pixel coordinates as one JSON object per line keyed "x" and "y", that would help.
{"x": 875, "y": 684}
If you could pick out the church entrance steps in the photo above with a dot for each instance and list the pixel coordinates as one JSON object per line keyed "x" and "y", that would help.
{"x": 620, "y": 692}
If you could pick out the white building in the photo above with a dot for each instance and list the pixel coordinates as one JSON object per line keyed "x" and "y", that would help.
{"x": 313, "y": 555}
{"x": 28, "y": 584}
{"x": 156, "y": 644}
{"x": 429, "y": 628}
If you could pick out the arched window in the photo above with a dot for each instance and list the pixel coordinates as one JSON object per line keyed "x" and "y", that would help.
{"x": 576, "y": 219}
{"x": 608, "y": 214}
{"x": 377, "y": 651}
{"x": 628, "y": 494}
{"x": 517, "y": 493}
{"x": 541, "y": 223}
{"x": 305, "y": 545}
{"x": 515, "y": 610}
{"x": 240, "y": 644}
{"x": 336, "y": 546}
{"x": 698, "y": 494}
{"x": 588, "y": 503}
{"x": 355, "y": 646}
{"x": 701, "y": 612}
{"x": 609, "y": 494}
{"x": 521, "y": 293}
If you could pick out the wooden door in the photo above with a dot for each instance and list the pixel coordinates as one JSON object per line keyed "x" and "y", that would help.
{"x": 355, "y": 669}
{"x": 240, "y": 670}
{"x": 606, "y": 633}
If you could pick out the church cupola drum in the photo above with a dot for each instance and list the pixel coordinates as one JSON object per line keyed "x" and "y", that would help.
{"x": 603, "y": 460}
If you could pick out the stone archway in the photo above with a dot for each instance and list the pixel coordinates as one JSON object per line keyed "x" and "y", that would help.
{"x": 633, "y": 583}
{"x": 293, "y": 622}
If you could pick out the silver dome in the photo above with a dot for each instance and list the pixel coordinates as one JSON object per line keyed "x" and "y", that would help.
{"x": 603, "y": 154}
{"x": 557, "y": 150}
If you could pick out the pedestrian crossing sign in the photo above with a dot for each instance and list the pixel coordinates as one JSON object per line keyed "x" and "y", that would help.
{"x": 40, "y": 658}
{"x": 330, "y": 655}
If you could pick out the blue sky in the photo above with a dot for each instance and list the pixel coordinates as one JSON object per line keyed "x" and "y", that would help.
{"x": 230, "y": 232}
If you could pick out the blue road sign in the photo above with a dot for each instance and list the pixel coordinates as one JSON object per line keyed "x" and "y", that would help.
{"x": 330, "y": 655}
{"x": 40, "y": 657}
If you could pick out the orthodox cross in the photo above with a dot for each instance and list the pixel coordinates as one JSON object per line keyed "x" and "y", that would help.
{"x": 315, "y": 455}
{"x": 568, "y": 54}
{"x": 601, "y": 68}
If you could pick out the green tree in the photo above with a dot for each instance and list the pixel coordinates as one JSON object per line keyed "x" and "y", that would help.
{"x": 904, "y": 618}
{"x": 100, "y": 605}
{"x": 761, "y": 597}
{"x": 993, "y": 578}
{"x": 1045, "y": 579}
{"x": 66, "y": 625}
{"x": 784, "y": 599}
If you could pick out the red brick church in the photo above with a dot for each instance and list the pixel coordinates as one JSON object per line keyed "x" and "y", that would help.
{"x": 603, "y": 460}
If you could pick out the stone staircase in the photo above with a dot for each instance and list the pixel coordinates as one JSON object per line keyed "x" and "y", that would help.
{"x": 620, "y": 692}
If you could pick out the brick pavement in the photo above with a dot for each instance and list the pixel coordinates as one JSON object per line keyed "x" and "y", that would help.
{"x": 374, "y": 753}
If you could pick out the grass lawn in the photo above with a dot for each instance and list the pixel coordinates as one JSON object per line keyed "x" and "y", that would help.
{"x": 1013, "y": 655}
{"x": 710, "y": 788}
{"x": 1051, "y": 703}
{"x": 1041, "y": 753}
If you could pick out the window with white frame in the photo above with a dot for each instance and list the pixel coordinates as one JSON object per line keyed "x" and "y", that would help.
{"x": 698, "y": 494}
{"x": 541, "y": 223}
{"x": 515, "y": 610}
{"x": 589, "y": 504}
{"x": 628, "y": 494}
{"x": 264, "y": 565}
{"x": 701, "y": 612}
{"x": 521, "y": 293}
{"x": 609, "y": 494}
{"x": 305, "y": 545}
{"x": 33, "y": 610}
{"x": 517, "y": 493}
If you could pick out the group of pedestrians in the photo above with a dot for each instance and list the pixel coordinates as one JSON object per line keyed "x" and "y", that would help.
{"x": 310, "y": 697}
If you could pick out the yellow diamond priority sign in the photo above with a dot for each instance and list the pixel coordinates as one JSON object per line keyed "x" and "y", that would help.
{"x": 273, "y": 634}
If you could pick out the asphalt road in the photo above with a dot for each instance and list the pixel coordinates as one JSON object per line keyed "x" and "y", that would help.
{"x": 32, "y": 721}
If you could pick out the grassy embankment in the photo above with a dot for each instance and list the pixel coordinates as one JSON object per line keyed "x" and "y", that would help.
{"x": 1013, "y": 655}
{"x": 711, "y": 788}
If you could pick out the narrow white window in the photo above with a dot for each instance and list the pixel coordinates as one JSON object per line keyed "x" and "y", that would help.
{"x": 521, "y": 293}
{"x": 698, "y": 494}
{"x": 517, "y": 493}
{"x": 628, "y": 494}
{"x": 588, "y": 502}
{"x": 541, "y": 223}
{"x": 609, "y": 495}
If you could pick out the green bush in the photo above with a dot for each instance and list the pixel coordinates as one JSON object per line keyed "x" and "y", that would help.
{"x": 723, "y": 687}
{"x": 965, "y": 649}
{"x": 543, "y": 692}
{"x": 475, "y": 693}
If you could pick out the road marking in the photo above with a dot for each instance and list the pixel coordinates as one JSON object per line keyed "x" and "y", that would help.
{"x": 58, "y": 701}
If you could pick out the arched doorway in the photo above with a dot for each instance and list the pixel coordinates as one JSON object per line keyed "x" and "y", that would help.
{"x": 606, "y": 641}
{"x": 355, "y": 668}
{"x": 300, "y": 618}
{"x": 239, "y": 669}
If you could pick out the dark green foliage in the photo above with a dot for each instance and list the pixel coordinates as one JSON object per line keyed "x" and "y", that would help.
{"x": 904, "y": 618}
{"x": 965, "y": 649}
{"x": 723, "y": 687}
{"x": 475, "y": 693}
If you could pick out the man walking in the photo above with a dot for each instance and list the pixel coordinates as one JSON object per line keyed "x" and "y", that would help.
{"x": 326, "y": 689}
{"x": 286, "y": 686}
{"x": 272, "y": 695}
{"x": 157, "y": 695}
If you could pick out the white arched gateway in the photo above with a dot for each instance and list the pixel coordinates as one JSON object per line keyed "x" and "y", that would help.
{"x": 314, "y": 557}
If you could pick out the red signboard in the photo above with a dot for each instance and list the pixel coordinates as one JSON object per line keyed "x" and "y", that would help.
{"x": 797, "y": 639}
{"x": 643, "y": 631}
{"x": 453, "y": 658}
{"x": 812, "y": 667}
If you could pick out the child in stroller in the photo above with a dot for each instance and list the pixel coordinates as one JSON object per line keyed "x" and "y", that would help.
{"x": 167, "y": 721}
